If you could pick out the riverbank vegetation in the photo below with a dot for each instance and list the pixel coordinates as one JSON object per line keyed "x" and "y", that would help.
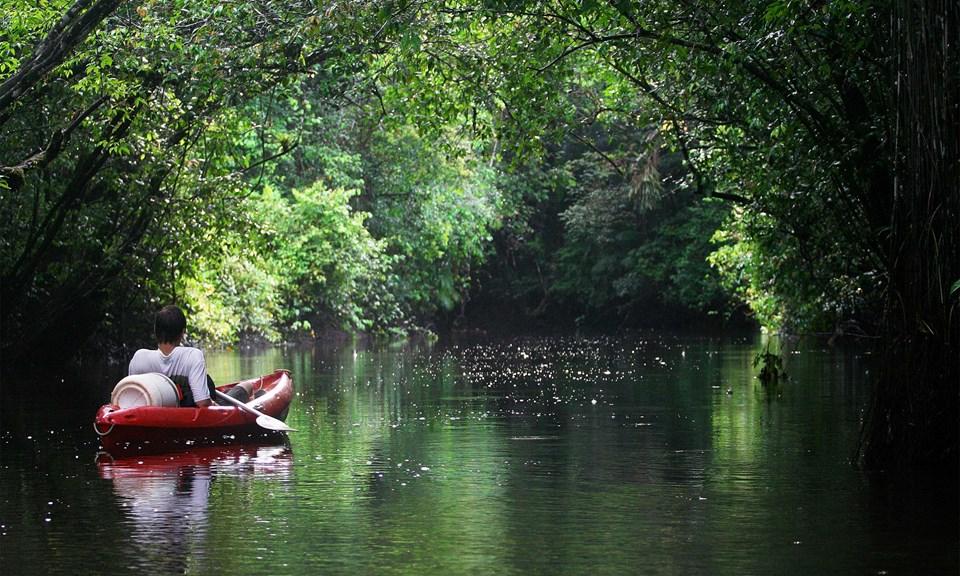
{"x": 283, "y": 168}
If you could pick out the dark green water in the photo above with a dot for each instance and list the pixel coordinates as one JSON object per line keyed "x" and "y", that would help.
{"x": 659, "y": 455}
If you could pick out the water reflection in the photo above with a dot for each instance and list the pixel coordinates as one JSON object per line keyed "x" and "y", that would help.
{"x": 165, "y": 498}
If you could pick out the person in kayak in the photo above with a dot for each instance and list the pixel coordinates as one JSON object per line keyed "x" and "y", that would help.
{"x": 184, "y": 365}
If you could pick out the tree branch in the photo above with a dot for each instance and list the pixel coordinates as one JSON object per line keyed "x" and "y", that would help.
{"x": 284, "y": 150}
{"x": 74, "y": 26}
{"x": 731, "y": 197}
{"x": 15, "y": 174}
{"x": 603, "y": 155}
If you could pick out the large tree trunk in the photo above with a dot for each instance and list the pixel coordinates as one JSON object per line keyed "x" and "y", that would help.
{"x": 914, "y": 417}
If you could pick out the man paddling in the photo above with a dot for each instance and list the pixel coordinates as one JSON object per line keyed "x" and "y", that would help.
{"x": 184, "y": 365}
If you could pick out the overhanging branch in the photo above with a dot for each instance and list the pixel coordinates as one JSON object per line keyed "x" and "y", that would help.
{"x": 14, "y": 175}
{"x": 73, "y": 27}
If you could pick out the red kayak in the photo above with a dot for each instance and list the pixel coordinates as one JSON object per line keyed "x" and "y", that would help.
{"x": 153, "y": 429}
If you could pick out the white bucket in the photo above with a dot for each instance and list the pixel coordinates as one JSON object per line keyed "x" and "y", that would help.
{"x": 152, "y": 389}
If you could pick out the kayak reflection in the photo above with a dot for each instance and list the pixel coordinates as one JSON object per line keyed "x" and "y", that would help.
{"x": 270, "y": 460}
{"x": 165, "y": 497}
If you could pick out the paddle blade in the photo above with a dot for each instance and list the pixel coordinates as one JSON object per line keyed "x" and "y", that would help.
{"x": 264, "y": 421}
{"x": 271, "y": 423}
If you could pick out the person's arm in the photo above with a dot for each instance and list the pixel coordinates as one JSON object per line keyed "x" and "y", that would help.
{"x": 135, "y": 366}
{"x": 198, "y": 380}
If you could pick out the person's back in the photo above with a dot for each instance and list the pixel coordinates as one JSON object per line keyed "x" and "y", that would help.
{"x": 182, "y": 364}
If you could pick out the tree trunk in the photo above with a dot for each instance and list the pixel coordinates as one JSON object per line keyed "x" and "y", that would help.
{"x": 914, "y": 418}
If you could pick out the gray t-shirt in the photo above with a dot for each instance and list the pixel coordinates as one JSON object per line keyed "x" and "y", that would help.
{"x": 182, "y": 361}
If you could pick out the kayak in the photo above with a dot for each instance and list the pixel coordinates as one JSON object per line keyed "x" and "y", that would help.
{"x": 155, "y": 429}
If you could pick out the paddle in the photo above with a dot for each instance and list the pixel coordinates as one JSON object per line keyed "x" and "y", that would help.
{"x": 265, "y": 421}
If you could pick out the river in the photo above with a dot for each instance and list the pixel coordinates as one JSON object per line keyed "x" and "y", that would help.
{"x": 647, "y": 454}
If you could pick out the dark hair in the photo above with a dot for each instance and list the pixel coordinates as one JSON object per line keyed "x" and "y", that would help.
{"x": 169, "y": 324}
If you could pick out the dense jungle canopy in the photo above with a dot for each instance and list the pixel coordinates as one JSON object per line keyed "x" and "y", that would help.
{"x": 284, "y": 168}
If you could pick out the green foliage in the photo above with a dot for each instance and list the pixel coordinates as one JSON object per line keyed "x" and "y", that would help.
{"x": 742, "y": 271}
{"x": 589, "y": 238}
{"x": 776, "y": 107}
{"x": 435, "y": 212}
{"x": 285, "y": 164}
{"x": 787, "y": 285}
{"x": 23, "y": 21}
{"x": 771, "y": 367}
{"x": 149, "y": 142}
{"x": 629, "y": 255}
{"x": 329, "y": 265}
{"x": 672, "y": 265}
{"x": 233, "y": 296}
